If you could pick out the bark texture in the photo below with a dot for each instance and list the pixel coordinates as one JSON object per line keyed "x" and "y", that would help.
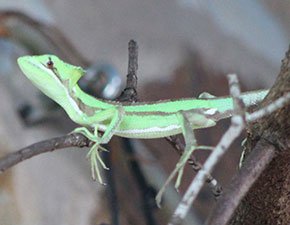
{"x": 268, "y": 201}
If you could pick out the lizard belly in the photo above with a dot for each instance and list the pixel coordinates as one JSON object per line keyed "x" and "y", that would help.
{"x": 152, "y": 132}
{"x": 151, "y": 126}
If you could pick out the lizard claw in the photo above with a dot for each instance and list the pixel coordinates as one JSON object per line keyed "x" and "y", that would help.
{"x": 95, "y": 157}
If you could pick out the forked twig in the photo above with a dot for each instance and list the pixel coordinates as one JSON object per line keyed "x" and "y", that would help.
{"x": 232, "y": 133}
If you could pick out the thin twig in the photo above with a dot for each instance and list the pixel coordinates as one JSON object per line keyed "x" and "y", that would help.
{"x": 267, "y": 110}
{"x": 129, "y": 94}
{"x": 71, "y": 140}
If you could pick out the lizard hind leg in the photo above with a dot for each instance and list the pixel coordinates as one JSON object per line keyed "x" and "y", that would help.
{"x": 190, "y": 146}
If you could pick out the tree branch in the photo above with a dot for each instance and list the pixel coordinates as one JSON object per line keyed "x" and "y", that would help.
{"x": 71, "y": 140}
{"x": 241, "y": 183}
{"x": 53, "y": 37}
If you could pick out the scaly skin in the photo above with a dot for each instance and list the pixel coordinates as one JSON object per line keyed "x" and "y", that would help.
{"x": 58, "y": 80}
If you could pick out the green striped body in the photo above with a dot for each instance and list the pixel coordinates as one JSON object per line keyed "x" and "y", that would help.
{"x": 58, "y": 80}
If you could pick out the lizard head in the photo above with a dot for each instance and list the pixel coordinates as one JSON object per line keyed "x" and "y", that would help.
{"x": 50, "y": 74}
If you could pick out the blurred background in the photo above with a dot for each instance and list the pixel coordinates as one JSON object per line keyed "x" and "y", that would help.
{"x": 185, "y": 47}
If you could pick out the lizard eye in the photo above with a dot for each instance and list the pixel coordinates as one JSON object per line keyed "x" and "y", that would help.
{"x": 49, "y": 63}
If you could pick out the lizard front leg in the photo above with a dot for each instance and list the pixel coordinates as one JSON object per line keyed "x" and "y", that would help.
{"x": 116, "y": 115}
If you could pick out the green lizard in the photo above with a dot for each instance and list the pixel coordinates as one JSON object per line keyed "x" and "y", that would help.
{"x": 58, "y": 80}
